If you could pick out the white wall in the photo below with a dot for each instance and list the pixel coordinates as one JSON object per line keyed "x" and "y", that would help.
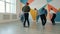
{"x": 7, "y": 17}
{"x": 4, "y": 17}
{"x": 38, "y": 4}
{"x": 55, "y": 3}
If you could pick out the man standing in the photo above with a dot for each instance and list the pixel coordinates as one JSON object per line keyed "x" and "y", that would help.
{"x": 43, "y": 15}
{"x": 26, "y": 10}
{"x": 53, "y": 16}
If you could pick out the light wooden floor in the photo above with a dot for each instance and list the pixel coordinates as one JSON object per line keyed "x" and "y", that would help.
{"x": 35, "y": 28}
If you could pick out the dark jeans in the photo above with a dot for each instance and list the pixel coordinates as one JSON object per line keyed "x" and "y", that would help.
{"x": 26, "y": 15}
{"x": 43, "y": 19}
{"x": 52, "y": 20}
{"x": 37, "y": 18}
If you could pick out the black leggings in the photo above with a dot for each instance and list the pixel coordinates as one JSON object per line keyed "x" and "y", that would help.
{"x": 52, "y": 20}
{"x": 43, "y": 19}
{"x": 26, "y": 15}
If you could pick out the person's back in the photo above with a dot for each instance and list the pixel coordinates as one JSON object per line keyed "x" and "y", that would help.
{"x": 53, "y": 16}
{"x": 26, "y": 9}
{"x": 43, "y": 15}
{"x": 43, "y": 11}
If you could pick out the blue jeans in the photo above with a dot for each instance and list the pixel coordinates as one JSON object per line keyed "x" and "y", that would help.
{"x": 37, "y": 18}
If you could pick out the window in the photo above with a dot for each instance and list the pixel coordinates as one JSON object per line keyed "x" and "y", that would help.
{"x": 7, "y": 6}
{"x": 7, "y": 0}
{"x": 13, "y": 7}
{"x": 2, "y": 5}
{"x": 2, "y": 0}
